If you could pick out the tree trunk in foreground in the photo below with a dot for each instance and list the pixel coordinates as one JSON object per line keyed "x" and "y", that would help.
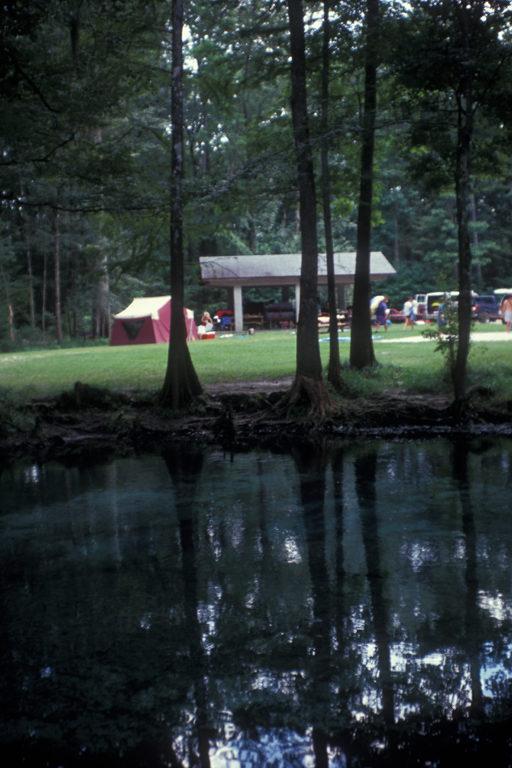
{"x": 181, "y": 385}
{"x": 56, "y": 277}
{"x": 30, "y": 276}
{"x": 308, "y": 383}
{"x": 361, "y": 345}
{"x": 43, "y": 292}
{"x": 334, "y": 369}
{"x": 9, "y": 305}
{"x": 102, "y": 301}
{"x": 463, "y": 194}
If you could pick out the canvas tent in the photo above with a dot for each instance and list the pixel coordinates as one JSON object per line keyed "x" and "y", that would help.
{"x": 148, "y": 321}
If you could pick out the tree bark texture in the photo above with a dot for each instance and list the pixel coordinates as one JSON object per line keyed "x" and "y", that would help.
{"x": 463, "y": 195}
{"x": 9, "y": 305}
{"x": 102, "y": 303}
{"x": 361, "y": 345}
{"x": 30, "y": 275}
{"x": 476, "y": 242}
{"x": 43, "y": 292}
{"x": 308, "y": 351}
{"x": 334, "y": 368}
{"x": 181, "y": 385}
{"x": 56, "y": 277}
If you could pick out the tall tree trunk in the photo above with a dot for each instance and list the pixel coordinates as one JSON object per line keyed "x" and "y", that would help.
{"x": 361, "y": 345}
{"x": 30, "y": 275}
{"x": 12, "y": 329}
{"x": 43, "y": 292}
{"x": 396, "y": 239}
{"x": 56, "y": 277}
{"x": 308, "y": 384}
{"x": 102, "y": 304}
{"x": 463, "y": 195}
{"x": 9, "y": 305}
{"x": 26, "y": 227}
{"x": 476, "y": 242}
{"x": 72, "y": 286}
{"x": 181, "y": 385}
{"x": 334, "y": 369}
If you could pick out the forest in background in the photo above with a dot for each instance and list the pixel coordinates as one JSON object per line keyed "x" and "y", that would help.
{"x": 85, "y": 153}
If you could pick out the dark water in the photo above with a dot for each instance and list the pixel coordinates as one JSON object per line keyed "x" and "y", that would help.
{"x": 346, "y": 607}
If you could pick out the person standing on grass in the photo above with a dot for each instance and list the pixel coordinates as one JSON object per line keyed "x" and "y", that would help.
{"x": 414, "y": 310}
{"x": 506, "y": 312}
{"x": 408, "y": 311}
{"x": 381, "y": 314}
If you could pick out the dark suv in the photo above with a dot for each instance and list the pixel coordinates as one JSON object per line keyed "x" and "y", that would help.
{"x": 486, "y": 308}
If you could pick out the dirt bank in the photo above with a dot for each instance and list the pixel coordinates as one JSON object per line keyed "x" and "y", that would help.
{"x": 91, "y": 422}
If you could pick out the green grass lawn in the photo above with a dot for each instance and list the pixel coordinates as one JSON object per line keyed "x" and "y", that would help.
{"x": 266, "y": 355}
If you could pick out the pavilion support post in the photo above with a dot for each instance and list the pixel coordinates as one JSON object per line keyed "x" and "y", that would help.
{"x": 238, "y": 308}
{"x": 297, "y": 301}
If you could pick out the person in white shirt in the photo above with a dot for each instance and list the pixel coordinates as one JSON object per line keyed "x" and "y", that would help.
{"x": 409, "y": 313}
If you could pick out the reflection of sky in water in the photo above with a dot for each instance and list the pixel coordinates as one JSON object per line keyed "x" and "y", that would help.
{"x": 291, "y": 551}
{"x": 173, "y": 596}
{"x": 268, "y": 748}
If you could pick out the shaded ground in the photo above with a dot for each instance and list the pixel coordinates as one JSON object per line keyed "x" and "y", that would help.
{"x": 89, "y": 421}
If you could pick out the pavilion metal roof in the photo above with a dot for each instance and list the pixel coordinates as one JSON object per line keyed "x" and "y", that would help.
{"x": 284, "y": 268}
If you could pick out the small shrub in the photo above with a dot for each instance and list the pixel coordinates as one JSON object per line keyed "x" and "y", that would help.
{"x": 14, "y": 415}
{"x": 446, "y": 336}
{"x": 7, "y": 345}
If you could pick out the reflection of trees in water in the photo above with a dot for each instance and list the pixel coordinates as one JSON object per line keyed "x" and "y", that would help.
{"x": 185, "y": 471}
{"x": 461, "y": 453}
{"x": 283, "y": 596}
{"x": 311, "y": 467}
{"x": 366, "y": 470}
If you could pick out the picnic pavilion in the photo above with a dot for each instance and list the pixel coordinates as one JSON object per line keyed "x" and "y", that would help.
{"x": 280, "y": 270}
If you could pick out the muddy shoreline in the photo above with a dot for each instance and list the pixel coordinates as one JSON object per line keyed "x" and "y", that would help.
{"x": 93, "y": 424}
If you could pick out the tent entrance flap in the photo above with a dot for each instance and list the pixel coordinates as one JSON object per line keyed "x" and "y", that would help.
{"x": 132, "y": 327}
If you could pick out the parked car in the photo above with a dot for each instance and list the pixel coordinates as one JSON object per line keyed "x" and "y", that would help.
{"x": 421, "y": 302}
{"x": 454, "y": 298}
{"x": 428, "y": 303}
{"x": 396, "y": 315}
{"x": 487, "y": 308}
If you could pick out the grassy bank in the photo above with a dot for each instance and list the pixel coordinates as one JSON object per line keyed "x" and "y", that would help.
{"x": 264, "y": 356}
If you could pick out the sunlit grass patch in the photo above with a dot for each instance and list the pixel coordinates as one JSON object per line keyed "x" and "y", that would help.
{"x": 262, "y": 357}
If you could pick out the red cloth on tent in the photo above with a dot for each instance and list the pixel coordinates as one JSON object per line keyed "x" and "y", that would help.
{"x": 148, "y": 321}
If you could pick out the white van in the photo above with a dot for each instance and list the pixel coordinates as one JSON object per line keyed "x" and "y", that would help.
{"x": 428, "y": 303}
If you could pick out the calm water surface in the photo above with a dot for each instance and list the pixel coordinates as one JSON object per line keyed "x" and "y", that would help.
{"x": 342, "y": 607}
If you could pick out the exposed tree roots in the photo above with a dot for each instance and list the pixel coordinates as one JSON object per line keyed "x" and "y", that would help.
{"x": 308, "y": 396}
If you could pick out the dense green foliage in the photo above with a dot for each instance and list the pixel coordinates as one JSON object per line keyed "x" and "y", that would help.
{"x": 85, "y": 142}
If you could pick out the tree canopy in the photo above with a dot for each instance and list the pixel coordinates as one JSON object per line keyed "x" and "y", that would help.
{"x": 85, "y": 133}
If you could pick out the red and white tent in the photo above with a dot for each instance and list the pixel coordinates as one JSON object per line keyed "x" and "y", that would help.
{"x": 148, "y": 321}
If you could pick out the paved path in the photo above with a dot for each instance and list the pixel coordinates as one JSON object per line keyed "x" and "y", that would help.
{"x": 476, "y": 336}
